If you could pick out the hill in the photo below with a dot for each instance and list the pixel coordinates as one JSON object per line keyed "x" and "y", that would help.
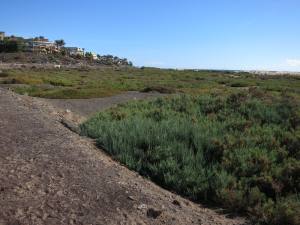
{"x": 32, "y": 59}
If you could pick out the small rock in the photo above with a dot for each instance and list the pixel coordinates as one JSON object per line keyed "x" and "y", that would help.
{"x": 153, "y": 213}
{"x": 45, "y": 216}
{"x": 187, "y": 203}
{"x": 175, "y": 202}
{"x": 70, "y": 125}
{"x": 60, "y": 193}
{"x": 142, "y": 206}
{"x": 131, "y": 198}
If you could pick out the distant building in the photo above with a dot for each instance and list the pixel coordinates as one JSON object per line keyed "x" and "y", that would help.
{"x": 94, "y": 55}
{"x": 2, "y": 36}
{"x": 73, "y": 51}
{"x": 41, "y": 45}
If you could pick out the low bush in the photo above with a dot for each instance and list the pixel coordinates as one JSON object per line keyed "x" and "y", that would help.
{"x": 240, "y": 152}
{"x": 60, "y": 82}
{"x": 3, "y": 74}
{"x": 159, "y": 89}
{"x": 240, "y": 84}
{"x": 21, "y": 80}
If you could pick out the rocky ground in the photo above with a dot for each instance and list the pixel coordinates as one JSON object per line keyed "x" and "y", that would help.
{"x": 50, "y": 175}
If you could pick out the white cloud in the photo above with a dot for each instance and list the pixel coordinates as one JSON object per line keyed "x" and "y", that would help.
{"x": 293, "y": 62}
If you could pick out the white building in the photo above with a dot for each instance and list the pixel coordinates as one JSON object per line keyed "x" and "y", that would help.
{"x": 2, "y": 36}
{"x": 95, "y": 57}
{"x": 74, "y": 51}
{"x": 40, "y": 45}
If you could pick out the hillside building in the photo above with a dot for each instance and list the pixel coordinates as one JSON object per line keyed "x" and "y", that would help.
{"x": 74, "y": 51}
{"x": 2, "y": 36}
{"x": 94, "y": 56}
{"x": 41, "y": 45}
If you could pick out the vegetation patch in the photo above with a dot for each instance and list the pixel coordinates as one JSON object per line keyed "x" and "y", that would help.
{"x": 159, "y": 89}
{"x": 107, "y": 81}
{"x": 59, "y": 82}
{"x": 3, "y": 74}
{"x": 240, "y": 151}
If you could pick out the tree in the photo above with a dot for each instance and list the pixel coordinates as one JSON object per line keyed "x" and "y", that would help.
{"x": 60, "y": 43}
{"x": 63, "y": 52}
{"x": 89, "y": 56}
{"x": 11, "y": 46}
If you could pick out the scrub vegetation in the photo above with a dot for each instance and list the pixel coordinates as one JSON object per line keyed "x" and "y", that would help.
{"x": 223, "y": 138}
{"x": 240, "y": 151}
{"x": 107, "y": 81}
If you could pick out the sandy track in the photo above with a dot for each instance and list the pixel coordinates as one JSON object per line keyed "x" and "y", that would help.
{"x": 49, "y": 175}
{"x": 87, "y": 107}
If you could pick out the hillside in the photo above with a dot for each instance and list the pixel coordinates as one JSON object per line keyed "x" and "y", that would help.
{"x": 42, "y": 60}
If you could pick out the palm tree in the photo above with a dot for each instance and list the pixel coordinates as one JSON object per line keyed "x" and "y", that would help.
{"x": 60, "y": 43}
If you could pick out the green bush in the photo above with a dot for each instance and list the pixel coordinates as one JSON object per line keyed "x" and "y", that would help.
{"x": 240, "y": 152}
{"x": 3, "y": 74}
{"x": 16, "y": 45}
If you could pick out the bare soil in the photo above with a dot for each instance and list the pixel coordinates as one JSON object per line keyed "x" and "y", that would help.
{"x": 50, "y": 175}
{"x": 87, "y": 107}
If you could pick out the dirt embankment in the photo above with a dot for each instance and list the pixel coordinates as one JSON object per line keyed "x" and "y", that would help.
{"x": 50, "y": 175}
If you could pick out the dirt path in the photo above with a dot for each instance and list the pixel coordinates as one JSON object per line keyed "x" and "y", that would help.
{"x": 49, "y": 175}
{"x": 86, "y": 107}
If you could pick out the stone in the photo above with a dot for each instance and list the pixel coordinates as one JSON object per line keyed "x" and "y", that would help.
{"x": 70, "y": 125}
{"x": 175, "y": 202}
{"x": 131, "y": 198}
{"x": 142, "y": 206}
{"x": 153, "y": 213}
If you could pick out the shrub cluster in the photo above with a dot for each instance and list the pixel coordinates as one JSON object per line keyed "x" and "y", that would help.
{"x": 241, "y": 152}
{"x": 11, "y": 46}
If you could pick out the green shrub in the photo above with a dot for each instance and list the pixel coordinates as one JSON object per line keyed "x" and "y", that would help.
{"x": 240, "y": 151}
{"x": 3, "y": 74}
{"x": 239, "y": 84}
{"x": 59, "y": 81}
{"x": 159, "y": 89}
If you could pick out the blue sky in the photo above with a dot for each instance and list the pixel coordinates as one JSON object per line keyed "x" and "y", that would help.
{"x": 206, "y": 34}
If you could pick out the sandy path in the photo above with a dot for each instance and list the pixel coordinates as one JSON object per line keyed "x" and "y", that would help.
{"x": 86, "y": 107}
{"x": 49, "y": 175}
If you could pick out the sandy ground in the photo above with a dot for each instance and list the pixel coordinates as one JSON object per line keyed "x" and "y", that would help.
{"x": 87, "y": 107}
{"x": 50, "y": 175}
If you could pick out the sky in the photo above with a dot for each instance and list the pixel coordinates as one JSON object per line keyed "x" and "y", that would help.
{"x": 200, "y": 34}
